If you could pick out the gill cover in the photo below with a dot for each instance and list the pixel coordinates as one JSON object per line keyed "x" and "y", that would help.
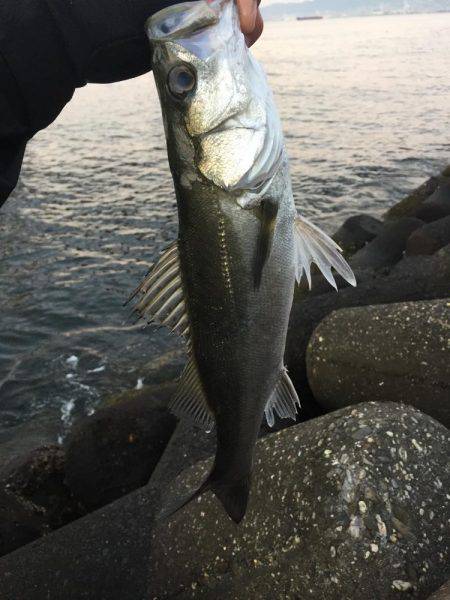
{"x": 229, "y": 114}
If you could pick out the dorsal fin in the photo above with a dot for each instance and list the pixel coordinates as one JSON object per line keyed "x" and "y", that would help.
{"x": 190, "y": 400}
{"x": 161, "y": 294}
{"x": 314, "y": 246}
{"x": 284, "y": 400}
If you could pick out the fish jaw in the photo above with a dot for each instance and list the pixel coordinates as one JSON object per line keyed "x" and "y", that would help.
{"x": 230, "y": 116}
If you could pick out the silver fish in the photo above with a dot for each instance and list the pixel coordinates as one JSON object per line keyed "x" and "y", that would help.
{"x": 227, "y": 283}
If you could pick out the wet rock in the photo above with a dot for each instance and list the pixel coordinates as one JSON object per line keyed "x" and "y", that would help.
{"x": 166, "y": 367}
{"x": 412, "y": 278}
{"x": 395, "y": 352}
{"x": 409, "y": 206}
{"x": 335, "y": 502}
{"x": 388, "y": 246}
{"x": 115, "y": 451}
{"x": 437, "y": 206}
{"x": 38, "y": 478}
{"x": 18, "y": 441}
{"x": 20, "y": 522}
{"x": 356, "y": 232}
{"x": 429, "y": 238}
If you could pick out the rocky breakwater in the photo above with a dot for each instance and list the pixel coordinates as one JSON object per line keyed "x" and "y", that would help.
{"x": 404, "y": 258}
{"x": 350, "y": 505}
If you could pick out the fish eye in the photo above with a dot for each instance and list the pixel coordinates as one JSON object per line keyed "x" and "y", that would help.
{"x": 181, "y": 80}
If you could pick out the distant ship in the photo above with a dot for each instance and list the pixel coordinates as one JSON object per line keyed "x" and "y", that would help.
{"x": 314, "y": 18}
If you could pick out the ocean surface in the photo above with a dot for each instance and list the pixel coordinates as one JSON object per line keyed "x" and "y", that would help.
{"x": 365, "y": 104}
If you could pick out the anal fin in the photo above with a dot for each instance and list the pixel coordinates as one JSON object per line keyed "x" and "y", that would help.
{"x": 314, "y": 246}
{"x": 284, "y": 400}
{"x": 190, "y": 401}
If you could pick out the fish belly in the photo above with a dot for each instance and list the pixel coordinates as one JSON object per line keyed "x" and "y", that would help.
{"x": 238, "y": 330}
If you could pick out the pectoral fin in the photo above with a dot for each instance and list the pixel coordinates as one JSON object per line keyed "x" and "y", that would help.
{"x": 314, "y": 246}
{"x": 268, "y": 218}
{"x": 161, "y": 297}
{"x": 284, "y": 400}
{"x": 190, "y": 401}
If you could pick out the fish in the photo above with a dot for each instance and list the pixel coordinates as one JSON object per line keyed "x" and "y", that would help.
{"x": 226, "y": 284}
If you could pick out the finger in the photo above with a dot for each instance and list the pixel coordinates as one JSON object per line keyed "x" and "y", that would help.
{"x": 247, "y": 10}
{"x": 257, "y": 31}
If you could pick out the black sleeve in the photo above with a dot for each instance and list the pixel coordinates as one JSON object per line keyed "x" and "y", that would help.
{"x": 50, "y": 47}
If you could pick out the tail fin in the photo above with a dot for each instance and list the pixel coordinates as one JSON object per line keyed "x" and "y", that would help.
{"x": 233, "y": 497}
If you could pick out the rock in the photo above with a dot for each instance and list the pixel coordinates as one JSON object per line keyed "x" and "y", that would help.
{"x": 356, "y": 232}
{"x": 103, "y": 556}
{"x": 443, "y": 593}
{"x": 395, "y": 352}
{"x": 409, "y": 206}
{"x": 429, "y": 238}
{"x": 18, "y": 441}
{"x": 437, "y": 205}
{"x": 165, "y": 368}
{"x": 412, "y": 278}
{"x": 388, "y": 247}
{"x": 38, "y": 477}
{"x": 335, "y": 503}
{"x": 115, "y": 450}
{"x": 20, "y": 523}
{"x": 152, "y": 393}
{"x": 350, "y": 505}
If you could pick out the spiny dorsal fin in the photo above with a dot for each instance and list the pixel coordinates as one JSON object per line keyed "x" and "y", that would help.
{"x": 284, "y": 400}
{"x": 190, "y": 400}
{"x": 161, "y": 294}
{"x": 314, "y": 246}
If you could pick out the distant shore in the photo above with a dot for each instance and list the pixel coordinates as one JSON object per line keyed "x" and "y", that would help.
{"x": 268, "y": 16}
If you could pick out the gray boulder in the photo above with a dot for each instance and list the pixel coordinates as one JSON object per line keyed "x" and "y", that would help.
{"x": 437, "y": 206}
{"x": 412, "y": 278}
{"x": 103, "y": 556}
{"x": 20, "y": 522}
{"x": 16, "y": 442}
{"x": 349, "y": 505}
{"x": 388, "y": 246}
{"x": 356, "y": 231}
{"x": 37, "y": 479}
{"x": 430, "y": 238}
{"x": 116, "y": 450}
{"x": 409, "y": 206}
{"x": 396, "y": 352}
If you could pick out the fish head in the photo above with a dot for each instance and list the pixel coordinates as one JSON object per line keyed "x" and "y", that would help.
{"x": 214, "y": 95}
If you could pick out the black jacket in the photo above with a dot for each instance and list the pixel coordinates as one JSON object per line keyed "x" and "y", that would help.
{"x": 50, "y": 47}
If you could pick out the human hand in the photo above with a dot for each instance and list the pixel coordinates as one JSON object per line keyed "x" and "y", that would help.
{"x": 251, "y": 20}
{"x": 106, "y": 39}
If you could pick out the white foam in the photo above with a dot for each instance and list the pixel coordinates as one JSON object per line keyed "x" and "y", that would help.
{"x": 72, "y": 361}
{"x": 66, "y": 411}
{"x": 97, "y": 369}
